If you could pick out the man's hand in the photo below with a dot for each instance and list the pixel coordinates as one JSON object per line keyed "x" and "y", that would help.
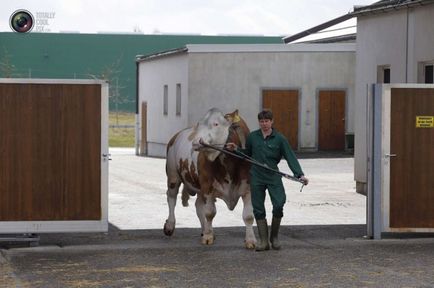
{"x": 231, "y": 146}
{"x": 304, "y": 180}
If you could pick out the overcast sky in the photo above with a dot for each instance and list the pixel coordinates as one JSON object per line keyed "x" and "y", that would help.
{"x": 205, "y": 17}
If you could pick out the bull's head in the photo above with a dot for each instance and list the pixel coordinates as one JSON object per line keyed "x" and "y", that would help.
{"x": 213, "y": 129}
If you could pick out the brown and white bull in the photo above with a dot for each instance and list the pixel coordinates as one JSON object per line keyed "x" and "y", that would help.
{"x": 208, "y": 173}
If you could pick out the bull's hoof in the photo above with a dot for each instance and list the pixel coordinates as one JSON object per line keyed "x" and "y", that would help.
{"x": 250, "y": 244}
{"x": 208, "y": 239}
{"x": 168, "y": 228}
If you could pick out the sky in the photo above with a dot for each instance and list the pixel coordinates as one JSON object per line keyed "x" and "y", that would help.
{"x": 197, "y": 17}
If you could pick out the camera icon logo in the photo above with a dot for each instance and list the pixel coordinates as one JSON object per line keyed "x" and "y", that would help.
{"x": 21, "y": 21}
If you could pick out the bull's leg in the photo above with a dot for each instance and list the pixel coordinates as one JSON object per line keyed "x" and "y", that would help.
{"x": 250, "y": 240}
{"x": 206, "y": 210}
{"x": 172, "y": 193}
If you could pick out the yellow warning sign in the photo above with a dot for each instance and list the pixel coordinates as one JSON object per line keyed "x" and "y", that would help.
{"x": 424, "y": 121}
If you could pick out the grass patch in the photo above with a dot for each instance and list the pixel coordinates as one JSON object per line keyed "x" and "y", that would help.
{"x": 121, "y": 136}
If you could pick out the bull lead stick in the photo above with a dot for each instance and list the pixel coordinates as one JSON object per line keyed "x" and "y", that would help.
{"x": 245, "y": 158}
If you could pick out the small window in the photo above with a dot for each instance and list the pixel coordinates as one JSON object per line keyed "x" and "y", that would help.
{"x": 178, "y": 99}
{"x": 429, "y": 74}
{"x": 165, "y": 100}
{"x": 425, "y": 72}
{"x": 386, "y": 75}
{"x": 383, "y": 74}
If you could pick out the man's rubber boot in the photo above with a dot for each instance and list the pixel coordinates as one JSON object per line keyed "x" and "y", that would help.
{"x": 263, "y": 235}
{"x": 275, "y": 225}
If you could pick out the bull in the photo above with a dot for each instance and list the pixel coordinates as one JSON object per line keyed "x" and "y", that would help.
{"x": 208, "y": 173}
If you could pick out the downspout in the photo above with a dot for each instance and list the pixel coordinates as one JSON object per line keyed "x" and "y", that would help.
{"x": 137, "y": 133}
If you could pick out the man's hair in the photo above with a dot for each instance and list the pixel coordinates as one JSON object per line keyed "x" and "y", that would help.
{"x": 265, "y": 114}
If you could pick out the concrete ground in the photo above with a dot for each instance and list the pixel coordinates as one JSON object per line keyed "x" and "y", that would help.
{"x": 138, "y": 195}
{"x": 322, "y": 239}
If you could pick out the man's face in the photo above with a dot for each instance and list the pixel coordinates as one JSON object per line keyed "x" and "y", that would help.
{"x": 265, "y": 124}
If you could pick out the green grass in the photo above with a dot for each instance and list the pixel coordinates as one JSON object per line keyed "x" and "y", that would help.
{"x": 121, "y": 137}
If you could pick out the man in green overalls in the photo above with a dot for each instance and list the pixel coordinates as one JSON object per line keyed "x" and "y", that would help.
{"x": 268, "y": 146}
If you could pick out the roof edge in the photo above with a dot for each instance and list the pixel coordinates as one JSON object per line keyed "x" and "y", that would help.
{"x": 380, "y": 6}
{"x": 386, "y": 6}
{"x": 264, "y": 48}
{"x": 317, "y": 28}
{"x": 141, "y": 58}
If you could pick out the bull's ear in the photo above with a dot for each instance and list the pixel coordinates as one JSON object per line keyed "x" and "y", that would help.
{"x": 236, "y": 117}
{"x": 233, "y": 117}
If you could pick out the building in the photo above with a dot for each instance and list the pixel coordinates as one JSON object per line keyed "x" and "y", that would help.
{"x": 90, "y": 56}
{"x": 309, "y": 87}
{"x": 395, "y": 44}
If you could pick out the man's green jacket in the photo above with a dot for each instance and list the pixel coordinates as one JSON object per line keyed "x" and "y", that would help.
{"x": 269, "y": 151}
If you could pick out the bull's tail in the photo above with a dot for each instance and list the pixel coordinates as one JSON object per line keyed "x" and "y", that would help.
{"x": 185, "y": 197}
{"x": 186, "y": 193}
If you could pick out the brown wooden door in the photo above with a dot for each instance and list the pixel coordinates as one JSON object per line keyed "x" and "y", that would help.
{"x": 50, "y": 152}
{"x": 412, "y": 169}
{"x": 331, "y": 130}
{"x": 284, "y": 105}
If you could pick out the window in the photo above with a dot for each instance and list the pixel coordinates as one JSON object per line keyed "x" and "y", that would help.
{"x": 425, "y": 72}
{"x": 165, "y": 100}
{"x": 386, "y": 75}
{"x": 429, "y": 74}
{"x": 178, "y": 99}
{"x": 383, "y": 74}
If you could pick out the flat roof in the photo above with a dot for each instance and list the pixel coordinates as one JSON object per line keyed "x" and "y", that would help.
{"x": 253, "y": 48}
{"x": 305, "y": 47}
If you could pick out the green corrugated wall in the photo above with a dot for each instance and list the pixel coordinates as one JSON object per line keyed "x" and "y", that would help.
{"x": 83, "y": 56}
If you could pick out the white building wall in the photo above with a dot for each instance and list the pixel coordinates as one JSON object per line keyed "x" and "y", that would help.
{"x": 232, "y": 77}
{"x": 232, "y": 81}
{"x": 153, "y": 75}
{"x": 386, "y": 39}
{"x": 421, "y": 39}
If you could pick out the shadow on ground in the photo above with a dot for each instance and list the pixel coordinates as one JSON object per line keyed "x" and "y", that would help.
{"x": 311, "y": 256}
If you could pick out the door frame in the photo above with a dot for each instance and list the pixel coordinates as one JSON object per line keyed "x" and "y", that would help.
{"x": 378, "y": 196}
{"x": 101, "y": 225}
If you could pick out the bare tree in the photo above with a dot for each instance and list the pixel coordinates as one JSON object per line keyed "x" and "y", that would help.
{"x": 7, "y": 69}
{"x": 111, "y": 74}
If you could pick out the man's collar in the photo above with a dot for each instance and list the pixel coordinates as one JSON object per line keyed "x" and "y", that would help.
{"x": 272, "y": 134}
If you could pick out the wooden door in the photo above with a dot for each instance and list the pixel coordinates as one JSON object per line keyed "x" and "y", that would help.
{"x": 412, "y": 169}
{"x": 284, "y": 105}
{"x": 50, "y": 152}
{"x": 331, "y": 128}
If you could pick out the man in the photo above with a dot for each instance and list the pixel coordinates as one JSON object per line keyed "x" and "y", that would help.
{"x": 268, "y": 146}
